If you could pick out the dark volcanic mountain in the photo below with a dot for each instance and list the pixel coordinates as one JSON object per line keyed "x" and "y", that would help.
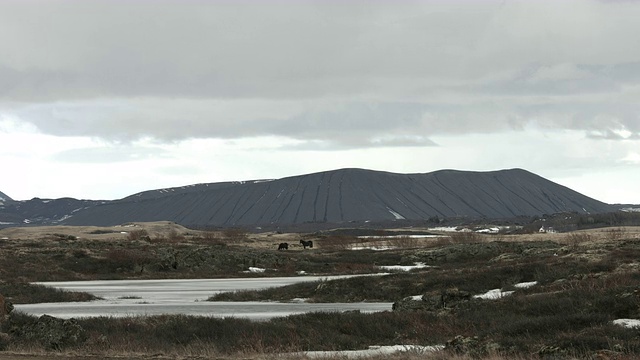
{"x": 4, "y": 198}
{"x": 345, "y": 195}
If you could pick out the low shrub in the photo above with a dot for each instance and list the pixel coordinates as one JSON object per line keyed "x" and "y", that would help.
{"x": 138, "y": 234}
{"x": 465, "y": 237}
{"x": 28, "y": 293}
{"x": 339, "y": 242}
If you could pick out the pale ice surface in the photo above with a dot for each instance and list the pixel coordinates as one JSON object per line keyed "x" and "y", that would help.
{"x": 255, "y": 310}
{"x": 184, "y": 296}
{"x": 372, "y": 351}
{"x": 411, "y": 236}
{"x": 372, "y": 247}
{"x": 177, "y": 290}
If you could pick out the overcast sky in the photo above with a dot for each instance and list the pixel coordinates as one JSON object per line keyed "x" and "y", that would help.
{"x": 103, "y": 99}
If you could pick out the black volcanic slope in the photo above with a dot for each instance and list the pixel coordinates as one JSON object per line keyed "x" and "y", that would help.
{"x": 4, "y": 198}
{"x": 347, "y": 195}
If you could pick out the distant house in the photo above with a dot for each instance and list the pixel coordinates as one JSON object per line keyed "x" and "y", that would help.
{"x": 548, "y": 230}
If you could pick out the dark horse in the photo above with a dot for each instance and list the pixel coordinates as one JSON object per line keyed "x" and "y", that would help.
{"x": 306, "y": 244}
{"x": 283, "y": 246}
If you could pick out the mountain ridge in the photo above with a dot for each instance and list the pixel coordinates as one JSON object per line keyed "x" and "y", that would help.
{"x": 337, "y": 196}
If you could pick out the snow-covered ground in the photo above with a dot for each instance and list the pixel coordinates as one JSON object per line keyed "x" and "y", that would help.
{"x": 372, "y": 351}
{"x": 419, "y": 236}
{"x": 417, "y": 265}
{"x": 628, "y": 323}
{"x": 372, "y": 247}
{"x": 498, "y": 293}
{"x": 493, "y": 294}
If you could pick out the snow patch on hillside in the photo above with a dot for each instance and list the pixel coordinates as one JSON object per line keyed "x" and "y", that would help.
{"x": 396, "y": 215}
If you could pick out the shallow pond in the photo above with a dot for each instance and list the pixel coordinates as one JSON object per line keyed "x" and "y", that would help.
{"x": 154, "y": 297}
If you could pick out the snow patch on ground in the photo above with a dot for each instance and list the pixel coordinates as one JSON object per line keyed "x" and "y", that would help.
{"x": 526, "y": 285}
{"x": 628, "y": 323}
{"x": 417, "y": 265}
{"x": 498, "y": 293}
{"x": 372, "y": 351}
{"x": 493, "y": 294}
{"x": 397, "y": 236}
{"x": 372, "y": 247}
{"x": 444, "y": 228}
{"x": 493, "y": 230}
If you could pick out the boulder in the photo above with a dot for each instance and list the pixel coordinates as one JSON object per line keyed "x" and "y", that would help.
{"x": 433, "y": 301}
{"x": 472, "y": 346}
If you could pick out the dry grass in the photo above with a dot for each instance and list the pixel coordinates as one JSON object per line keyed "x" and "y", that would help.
{"x": 569, "y": 311}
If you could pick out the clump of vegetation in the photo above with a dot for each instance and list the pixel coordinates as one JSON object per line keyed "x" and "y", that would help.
{"x": 138, "y": 234}
{"x": 28, "y": 293}
{"x": 465, "y": 237}
{"x": 235, "y": 234}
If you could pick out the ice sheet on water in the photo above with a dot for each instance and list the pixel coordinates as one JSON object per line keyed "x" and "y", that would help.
{"x": 372, "y": 351}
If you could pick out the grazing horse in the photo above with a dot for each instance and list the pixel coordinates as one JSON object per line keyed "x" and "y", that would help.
{"x": 283, "y": 246}
{"x": 306, "y": 244}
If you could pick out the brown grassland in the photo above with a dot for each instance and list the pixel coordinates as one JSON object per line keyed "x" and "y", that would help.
{"x": 585, "y": 279}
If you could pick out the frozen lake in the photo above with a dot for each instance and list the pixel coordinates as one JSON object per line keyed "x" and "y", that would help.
{"x": 184, "y": 296}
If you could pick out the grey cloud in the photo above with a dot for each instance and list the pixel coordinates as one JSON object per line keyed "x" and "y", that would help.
{"x": 609, "y": 134}
{"x": 109, "y": 154}
{"x": 73, "y": 50}
{"x": 341, "y": 123}
{"x": 332, "y": 75}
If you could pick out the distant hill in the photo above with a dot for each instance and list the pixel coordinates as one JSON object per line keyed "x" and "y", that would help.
{"x": 345, "y": 195}
{"x": 41, "y": 211}
{"x": 338, "y": 196}
{"x": 4, "y": 198}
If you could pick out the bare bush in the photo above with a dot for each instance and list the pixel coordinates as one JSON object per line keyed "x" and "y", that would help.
{"x": 465, "y": 237}
{"x": 616, "y": 234}
{"x": 235, "y": 234}
{"x": 577, "y": 238}
{"x": 339, "y": 242}
{"x": 212, "y": 238}
{"x": 128, "y": 258}
{"x": 174, "y": 236}
{"x": 404, "y": 242}
{"x": 138, "y": 234}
